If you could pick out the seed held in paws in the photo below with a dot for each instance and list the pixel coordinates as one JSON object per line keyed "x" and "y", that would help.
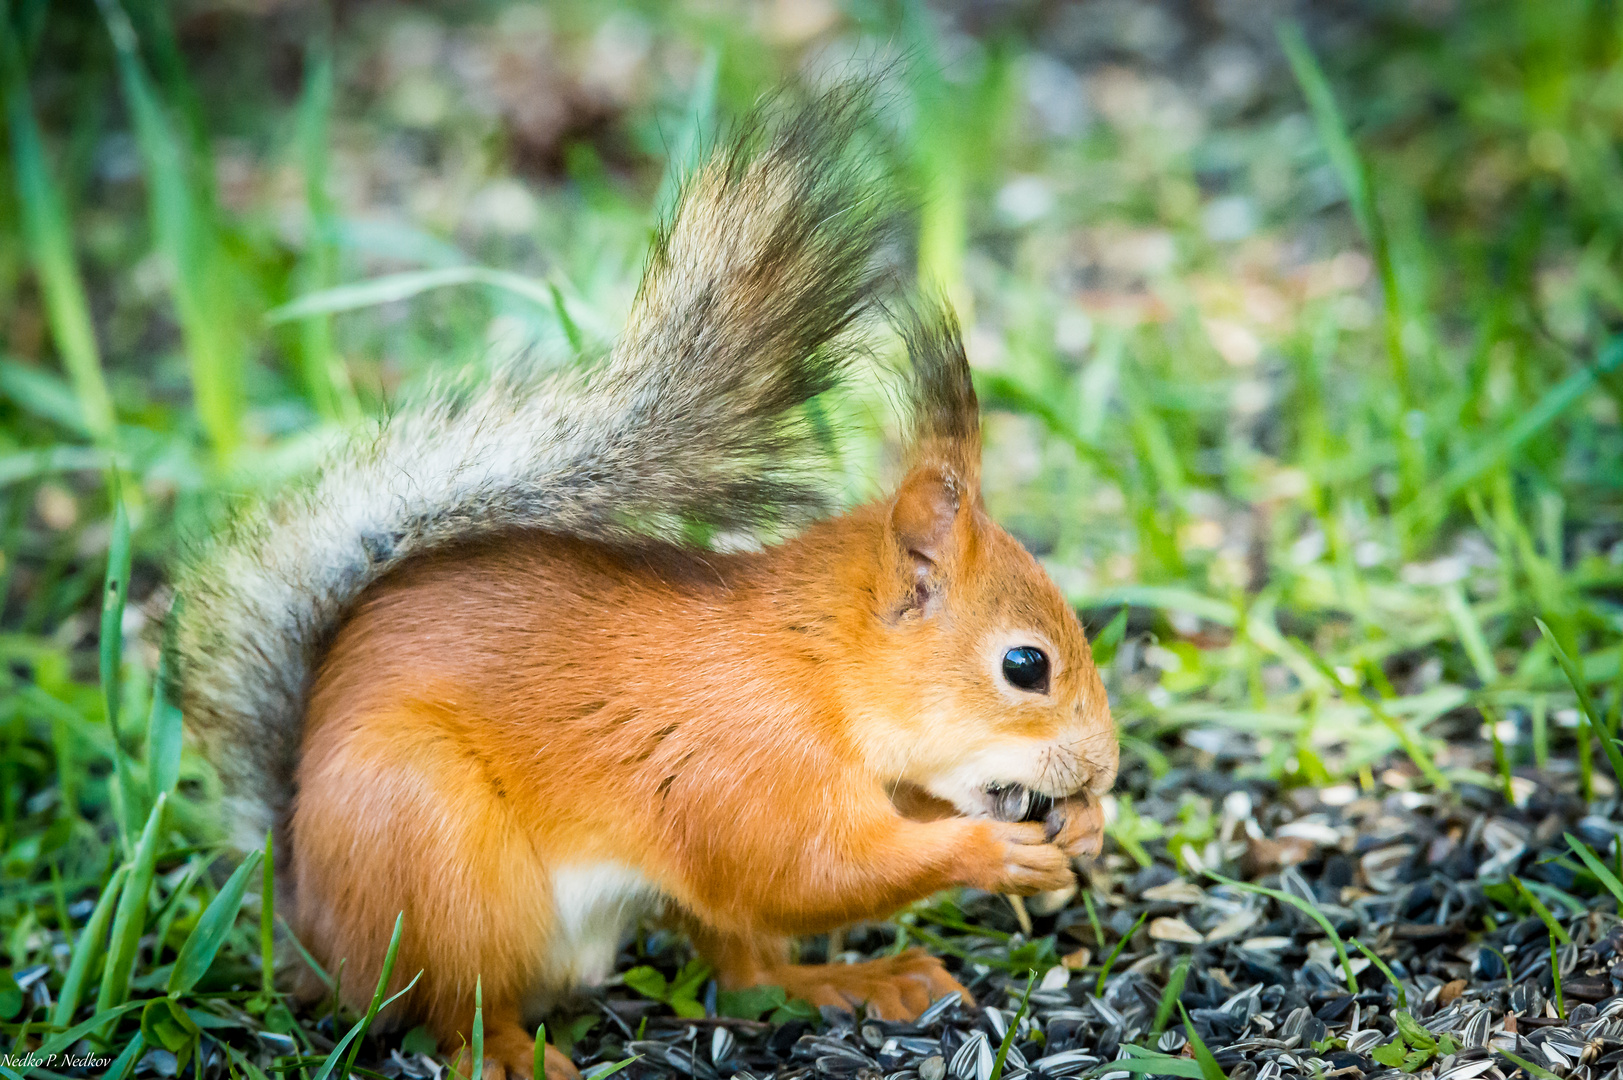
{"x": 1016, "y": 802}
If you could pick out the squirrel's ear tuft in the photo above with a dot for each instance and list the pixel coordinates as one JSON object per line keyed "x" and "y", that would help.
{"x": 923, "y": 533}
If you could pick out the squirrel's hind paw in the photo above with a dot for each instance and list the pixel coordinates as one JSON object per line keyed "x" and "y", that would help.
{"x": 510, "y": 1055}
{"x": 893, "y": 988}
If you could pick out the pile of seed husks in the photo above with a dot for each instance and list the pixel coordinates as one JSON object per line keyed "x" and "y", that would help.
{"x": 1436, "y": 886}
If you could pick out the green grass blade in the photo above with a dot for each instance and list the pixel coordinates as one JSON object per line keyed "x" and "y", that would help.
{"x": 337, "y": 1054}
{"x": 326, "y": 379}
{"x": 1209, "y": 1069}
{"x": 377, "y": 994}
{"x": 1598, "y": 868}
{"x": 267, "y": 922}
{"x": 204, "y": 301}
{"x": 1555, "y": 980}
{"x": 121, "y": 1066}
{"x": 1586, "y": 763}
{"x": 195, "y": 868}
{"x": 50, "y": 246}
{"x": 1152, "y": 1065}
{"x": 1305, "y": 908}
{"x": 392, "y": 288}
{"x": 213, "y": 926}
{"x": 1356, "y": 180}
{"x": 570, "y": 328}
{"x": 1331, "y": 127}
{"x": 337, "y": 1058}
{"x": 1014, "y": 1026}
{"x": 1529, "y": 423}
{"x": 1557, "y": 931}
{"x": 1170, "y": 996}
{"x": 165, "y": 736}
{"x": 1614, "y": 714}
{"x": 1110, "y": 961}
{"x": 1533, "y": 1070}
{"x": 1411, "y": 746}
{"x": 1369, "y": 953}
{"x": 92, "y": 939}
{"x": 329, "y": 980}
{"x": 1093, "y": 918}
{"x": 1580, "y": 685}
{"x": 110, "y": 648}
{"x": 1586, "y": 703}
{"x": 130, "y": 919}
{"x": 101, "y": 1021}
{"x": 539, "y": 1069}
{"x": 477, "y": 1070}
{"x": 686, "y": 145}
{"x": 1501, "y": 761}
{"x": 1469, "y": 629}
{"x": 1110, "y": 638}
{"x": 618, "y": 1066}
{"x": 44, "y": 395}
{"x": 249, "y": 1069}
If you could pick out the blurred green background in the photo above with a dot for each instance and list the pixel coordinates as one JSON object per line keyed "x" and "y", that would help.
{"x": 1294, "y": 324}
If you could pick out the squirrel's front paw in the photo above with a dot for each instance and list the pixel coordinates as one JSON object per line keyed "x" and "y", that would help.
{"x": 1023, "y": 860}
{"x": 1077, "y": 825}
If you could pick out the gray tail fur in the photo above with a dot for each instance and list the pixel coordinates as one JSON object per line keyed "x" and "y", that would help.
{"x": 744, "y": 312}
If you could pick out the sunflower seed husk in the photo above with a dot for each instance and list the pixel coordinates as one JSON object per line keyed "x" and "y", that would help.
{"x": 1168, "y": 929}
{"x": 1362, "y": 1042}
{"x": 973, "y": 1061}
{"x": 936, "y": 1012}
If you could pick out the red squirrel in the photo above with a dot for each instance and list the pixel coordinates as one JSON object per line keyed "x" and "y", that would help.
{"x": 480, "y": 671}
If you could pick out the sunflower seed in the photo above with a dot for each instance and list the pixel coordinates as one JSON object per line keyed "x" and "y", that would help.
{"x": 1177, "y": 891}
{"x": 1233, "y": 925}
{"x": 1064, "y": 1063}
{"x": 973, "y": 1061}
{"x": 1362, "y": 1042}
{"x": 1056, "y": 978}
{"x": 1266, "y": 944}
{"x": 1110, "y": 1016}
{"x": 1466, "y": 1070}
{"x": 840, "y": 1067}
{"x": 814, "y": 1046}
{"x": 1168, "y": 929}
{"x": 937, "y": 1010}
{"x": 1475, "y": 1032}
{"x": 1381, "y": 866}
{"x": 1555, "y": 1055}
{"x": 1295, "y": 1022}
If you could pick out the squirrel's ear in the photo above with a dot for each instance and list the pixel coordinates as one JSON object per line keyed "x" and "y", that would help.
{"x": 922, "y": 534}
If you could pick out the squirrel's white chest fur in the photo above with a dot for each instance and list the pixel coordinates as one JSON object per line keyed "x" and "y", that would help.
{"x": 595, "y": 905}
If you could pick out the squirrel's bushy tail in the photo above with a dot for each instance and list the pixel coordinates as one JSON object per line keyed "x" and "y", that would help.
{"x": 765, "y": 264}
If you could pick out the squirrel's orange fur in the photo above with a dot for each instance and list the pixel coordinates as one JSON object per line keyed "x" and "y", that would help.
{"x": 728, "y": 728}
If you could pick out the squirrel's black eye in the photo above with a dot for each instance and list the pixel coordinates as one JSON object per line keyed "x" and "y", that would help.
{"x": 1026, "y": 666}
